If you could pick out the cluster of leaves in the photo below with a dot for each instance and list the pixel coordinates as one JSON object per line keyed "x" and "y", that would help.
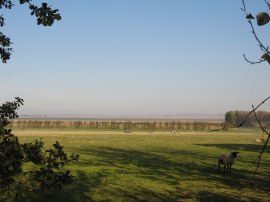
{"x": 45, "y": 16}
{"x": 13, "y": 155}
{"x": 54, "y": 160}
{"x": 262, "y": 18}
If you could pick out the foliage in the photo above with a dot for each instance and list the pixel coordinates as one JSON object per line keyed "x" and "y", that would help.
{"x": 45, "y": 16}
{"x": 13, "y": 155}
{"x": 230, "y": 118}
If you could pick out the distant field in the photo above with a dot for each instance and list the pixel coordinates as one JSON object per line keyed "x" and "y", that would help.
{"x": 159, "y": 166}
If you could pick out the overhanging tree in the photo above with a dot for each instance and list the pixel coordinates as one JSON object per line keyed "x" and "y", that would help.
{"x": 15, "y": 182}
{"x": 45, "y": 15}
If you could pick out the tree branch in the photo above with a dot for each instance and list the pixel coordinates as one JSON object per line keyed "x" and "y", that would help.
{"x": 252, "y": 63}
{"x": 258, "y": 159}
{"x": 254, "y": 109}
{"x": 260, "y": 44}
{"x": 267, "y": 3}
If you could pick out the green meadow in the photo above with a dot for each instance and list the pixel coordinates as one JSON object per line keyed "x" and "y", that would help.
{"x": 159, "y": 166}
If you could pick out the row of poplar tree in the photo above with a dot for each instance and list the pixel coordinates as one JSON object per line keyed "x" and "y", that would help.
{"x": 118, "y": 125}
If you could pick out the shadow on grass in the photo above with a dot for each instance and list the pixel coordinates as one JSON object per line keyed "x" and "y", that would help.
{"x": 77, "y": 191}
{"x": 250, "y": 160}
{"x": 238, "y": 147}
{"x": 170, "y": 167}
{"x": 210, "y": 196}
{"x": 150, "y": 164}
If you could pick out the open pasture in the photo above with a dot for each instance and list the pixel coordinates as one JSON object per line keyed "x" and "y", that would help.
{"x": 142, "y": 166}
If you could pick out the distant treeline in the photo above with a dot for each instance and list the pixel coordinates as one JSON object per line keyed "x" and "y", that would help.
{"x": 127, "y": 126}
{"x": 234, "y": 118}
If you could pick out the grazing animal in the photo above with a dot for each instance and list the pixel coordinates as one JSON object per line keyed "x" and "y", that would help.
{"x": 226, "y": 160}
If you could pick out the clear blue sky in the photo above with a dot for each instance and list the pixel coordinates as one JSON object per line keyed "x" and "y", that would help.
{"x": 135, "y": 57}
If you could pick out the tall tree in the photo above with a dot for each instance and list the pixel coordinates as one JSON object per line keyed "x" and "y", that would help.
{"x": 230, "y": 118}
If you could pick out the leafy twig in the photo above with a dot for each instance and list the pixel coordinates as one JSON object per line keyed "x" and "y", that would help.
{"x": 249, "y": 17}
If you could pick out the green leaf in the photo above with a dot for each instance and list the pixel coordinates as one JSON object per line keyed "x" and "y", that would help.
{"x": 262, "y": 18}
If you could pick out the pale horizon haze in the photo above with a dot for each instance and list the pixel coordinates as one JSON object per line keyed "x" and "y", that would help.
{"x": 136, "y": 57}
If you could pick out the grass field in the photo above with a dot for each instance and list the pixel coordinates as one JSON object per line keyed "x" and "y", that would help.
{"x": 142, "y": 166}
